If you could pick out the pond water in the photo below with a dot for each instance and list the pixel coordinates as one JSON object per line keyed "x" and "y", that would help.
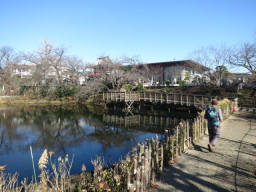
{"x": 70, "y": 130}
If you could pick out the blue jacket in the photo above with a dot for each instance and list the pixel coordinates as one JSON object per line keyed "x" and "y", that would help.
{"x": 214, "y": 116}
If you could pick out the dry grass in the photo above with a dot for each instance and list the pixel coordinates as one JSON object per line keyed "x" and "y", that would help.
{"x": 224, "y": 102}
{"x": 8, "y": 182}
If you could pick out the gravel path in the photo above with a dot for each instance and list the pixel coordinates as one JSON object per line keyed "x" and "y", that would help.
{"x": 231, "y": 167}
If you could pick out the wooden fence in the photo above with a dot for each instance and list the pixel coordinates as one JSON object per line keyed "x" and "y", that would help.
{"x": 157, "y": 97}
{"x": 149, "y": 158}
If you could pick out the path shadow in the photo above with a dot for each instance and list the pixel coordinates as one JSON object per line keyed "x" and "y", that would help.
{"x": 195, "y": 182}
{"x": 245, "y": 115}
{"x": 200, "y": 148}
{"x": 182, "y": 181}
{"x": 244, "y": 152}
{"x": 238, "y": 141}
{"x": 199, "y": 159}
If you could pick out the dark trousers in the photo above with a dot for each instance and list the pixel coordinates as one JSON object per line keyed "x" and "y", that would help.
{"x": 214, "y": 134}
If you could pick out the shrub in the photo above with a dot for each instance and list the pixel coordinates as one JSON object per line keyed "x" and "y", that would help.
{"x": 140, "y": 87}
{"x": 129, "y": 87}
{"x": 65, "y": 91}
{"x": 182, "y": 83}
{"x": 43, "y": 91}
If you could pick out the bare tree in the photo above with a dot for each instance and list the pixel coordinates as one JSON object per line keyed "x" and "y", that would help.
{"x": 75, "y": 68}
{"x": 245, "y": 57}
{"x": 49, "y": 61}
{"x": 6, "y": 56}
{"x": 214, "y": 59}
{"x": 57, "y": 62}
{"x": 8, "y": 60}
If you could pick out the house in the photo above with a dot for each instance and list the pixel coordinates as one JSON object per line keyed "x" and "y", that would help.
{"x": 171, "y": 72}
{"x": 23, "y": 70}
{"x": 27, "y": 71}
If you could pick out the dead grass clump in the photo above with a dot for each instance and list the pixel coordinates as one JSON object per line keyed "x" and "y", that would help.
{"x": 8, "y": 182}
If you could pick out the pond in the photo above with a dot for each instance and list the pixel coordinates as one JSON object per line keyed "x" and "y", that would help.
{"x": 78, "y": 131}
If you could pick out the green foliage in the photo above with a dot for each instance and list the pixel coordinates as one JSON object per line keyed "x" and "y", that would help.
{"x": 23, "y": 90}
{"x": 182, "y": 83}
{"x": 65, "y": 91}
{"x": 43, "y": 91}
{"x": 187, "y": 77}
{"x": 127, "y": 68}
{"x": 168, "y": 82}
{"x": 129, "y": 87}
{"x": 49, "y": 91}
{"x": 140, "y": 87}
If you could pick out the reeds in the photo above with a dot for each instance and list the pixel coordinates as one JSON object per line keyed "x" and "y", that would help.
{"x": 8, "y": 182}
{"x": 33, "y": 163}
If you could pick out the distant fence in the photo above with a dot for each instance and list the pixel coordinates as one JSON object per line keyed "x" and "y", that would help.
{"x": 247, "y": 102}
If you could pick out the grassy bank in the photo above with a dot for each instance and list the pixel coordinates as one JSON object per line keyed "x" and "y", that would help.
{"x": 25, "y": 100}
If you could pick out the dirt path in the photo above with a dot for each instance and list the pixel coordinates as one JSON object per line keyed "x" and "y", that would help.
{"x": 230, "y": 168}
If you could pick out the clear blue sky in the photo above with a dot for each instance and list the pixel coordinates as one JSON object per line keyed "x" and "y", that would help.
{"x": 156, "y": 30}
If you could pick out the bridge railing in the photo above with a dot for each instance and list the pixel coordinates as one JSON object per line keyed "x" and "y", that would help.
{"x": 158, "y": 97}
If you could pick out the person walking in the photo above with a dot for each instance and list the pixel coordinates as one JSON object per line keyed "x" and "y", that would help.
{"x": 214, "y": 115}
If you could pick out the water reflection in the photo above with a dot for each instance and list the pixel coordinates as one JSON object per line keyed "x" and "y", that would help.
{"x": 72, "y": 130}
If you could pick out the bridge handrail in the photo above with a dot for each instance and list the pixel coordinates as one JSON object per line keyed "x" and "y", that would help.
{"x": 161, "y": 97}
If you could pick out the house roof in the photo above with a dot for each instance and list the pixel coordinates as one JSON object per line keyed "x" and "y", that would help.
{"x": 188, "y": 63}
{"x": 241, "y": 74}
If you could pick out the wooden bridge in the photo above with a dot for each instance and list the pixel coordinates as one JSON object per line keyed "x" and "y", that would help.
{"x": 157, "y": 97}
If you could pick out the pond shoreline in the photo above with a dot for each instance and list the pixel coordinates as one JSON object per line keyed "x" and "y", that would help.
{"x": 25, "y": 100}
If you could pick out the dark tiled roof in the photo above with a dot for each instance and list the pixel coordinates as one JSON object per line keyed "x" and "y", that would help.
{"x": 188, "y": 63}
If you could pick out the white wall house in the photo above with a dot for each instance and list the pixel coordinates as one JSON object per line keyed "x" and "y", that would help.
{"x": 23, "y": 70}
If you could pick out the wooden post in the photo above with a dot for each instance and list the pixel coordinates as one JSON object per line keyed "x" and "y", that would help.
{"x": 149, "y": 162}
{"x": 128, "y": 173}
{"x": 138, "y": 175}
{"x": 146, "y": 164}
{"x": 157, "y": 155}
{"x": 142, "y": 175}
{"x": 162, "y": 158}
{"x": 177, "y": 140}
{"x": 135, "y": 167}
{"x": 172, "y": 140}
{"x": 188, "y": 129}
